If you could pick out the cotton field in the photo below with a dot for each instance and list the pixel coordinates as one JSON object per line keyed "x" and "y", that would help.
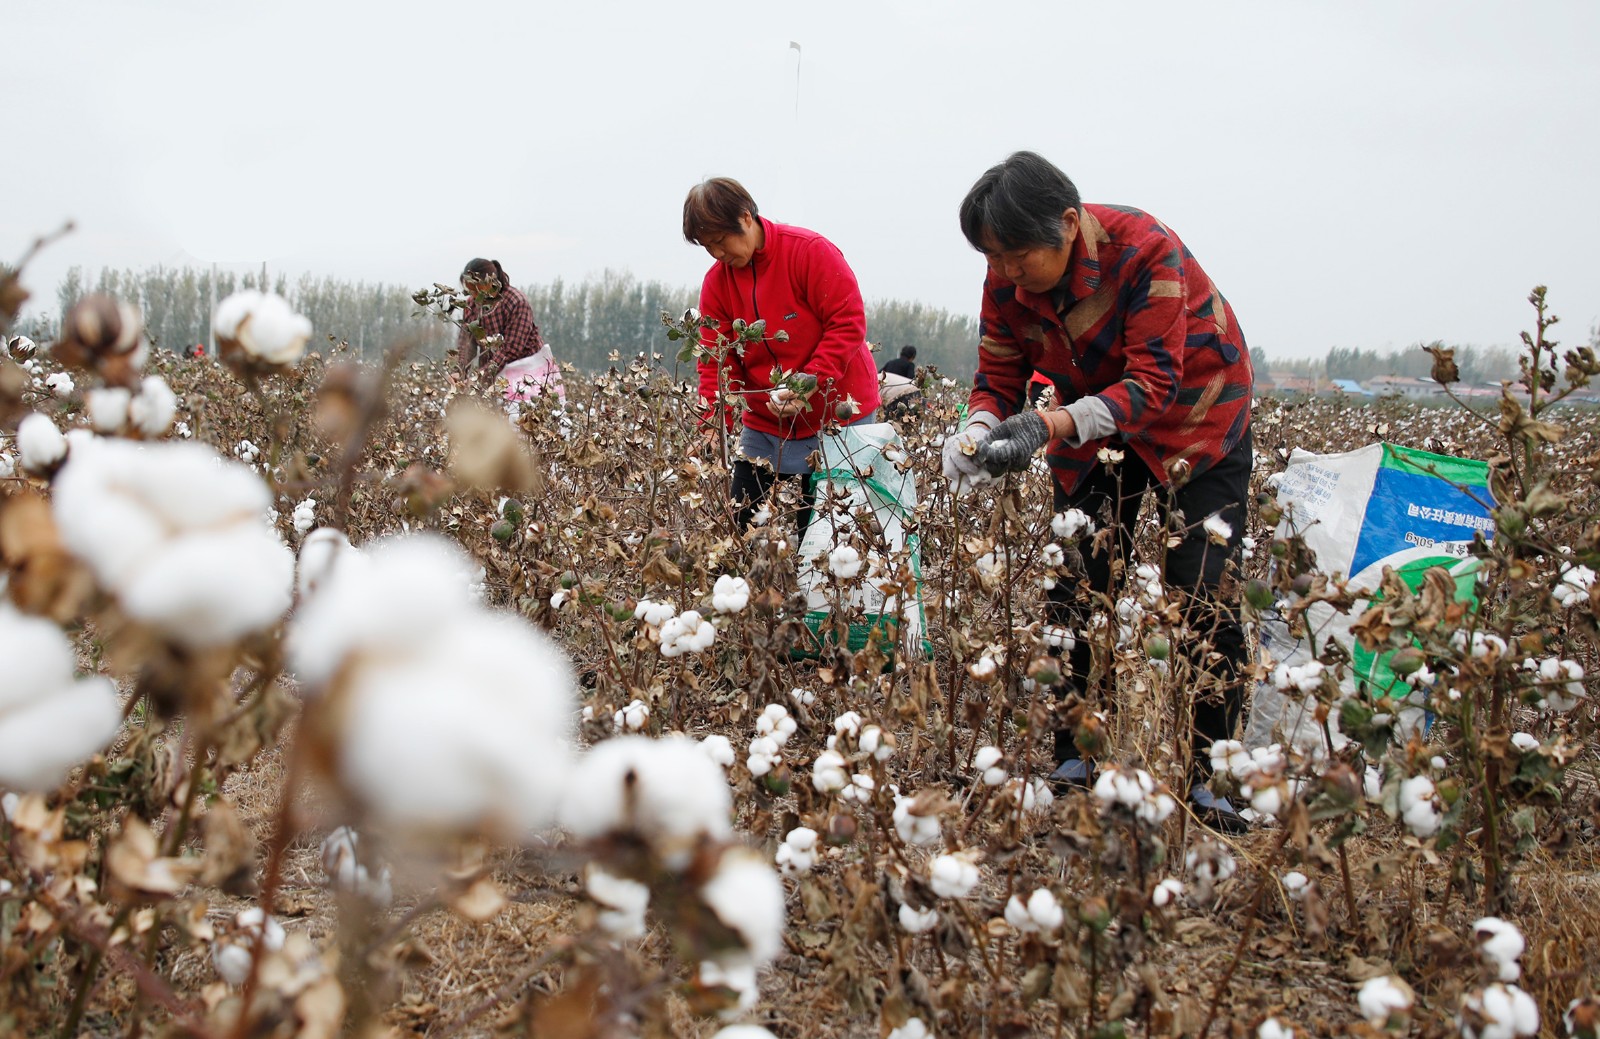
{"x": 340, "y": 700}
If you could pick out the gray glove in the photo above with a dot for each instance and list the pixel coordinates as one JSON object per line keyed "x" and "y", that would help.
{"x": 1013, "y": 443}
{"x": 963, "y": 470}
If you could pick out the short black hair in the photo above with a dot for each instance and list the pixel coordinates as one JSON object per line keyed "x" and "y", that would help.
{"x": 713, "y": 209}
{"x": 1019, "y": 202}
{"x": 908, "y": 351}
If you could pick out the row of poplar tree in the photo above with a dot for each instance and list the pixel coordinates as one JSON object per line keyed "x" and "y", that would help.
{"x": 592, "y": 324}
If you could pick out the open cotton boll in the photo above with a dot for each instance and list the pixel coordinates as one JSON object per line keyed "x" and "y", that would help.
{"x": 40, "y": 444}
{"x": 952, "y": 876}
{"x": 914, "y": 1028}
{"x": 747, "y": 896}
{"x": 50, "y": 720}
{"x": 624, "y": 902}
{"x": 208, "y": 589}
{"x": 471, "y": 732}
{"x": 154, "y": 407}
{"x": 264, "y": 325}
{"x": 1498, "y": 1012}
{"x": 744, "y": 1032}
{"x": 174, "y": 531}
{"x": 740, "y": 977}
{"x": 1500, "y": 944}
{"x": 1382, "y": 997}
{"x": 667, "y": 791}
{"x": 232, "y": 311}
{"x": 730, "y": 595}
{"x": 108, "y": 408}
{"x": 323, "y": 549}
{"x": 395, "y": 603}
{"x": 718, "y": 748}
{"x": 917, "y": 921}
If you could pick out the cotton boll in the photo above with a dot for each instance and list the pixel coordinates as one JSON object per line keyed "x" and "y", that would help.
{"x": 1524, "y": 741}
{"x": 49, "y": 719}
{"x": 624, "y": 902}
{"x": 739, "y": 977}
{"x": 730, "y": 595}
{"x": 232, "y": 312}
{"x": 263, "y": 325}
{"x": 153, "y": 408}
{"x": 323, "y": 549}
{"x": 874, "y": 741}
{"x": 1418, "y": 809}
{"x": 40, "y": 445}
{"x": 952, "y": 876}
{"x": 828, "y": 775}
{"x": 1017, "y": 915}
{"x": 1500, "y": 944}
{"x": 667, "y": 791}
{"x": 1272, "y": 1028}
{"x": 469, "y": 732}
{"x": 914, "y": 1028}
{"x": 108, "y": 408}
{"x": 844, "y": 562}
{"x": 60, "y": 385}
{"x": 917, "y": 921}
{"x": 1382, "y": 997}
{"x": 717, "y": 747}
{"x": 1071, "y": 524}
{"x": 1498, "y": 1012}
{"x": 305, "y": 515}
{"x": 744, "y": 1032}
{"x": 1167, "y": 892}
{"x": 1045, "y": 911}
{"x": 747, "y": 897}
{"x": 1217, "y": 529}
{"x": 847, "y": 723}
{"x": 1294, "y": 884}
{"x": 914, "y": 828}
{"x": 395, "y": 603}
{"x": 686, "y": 633}
{"x": 209, "y": 589}
{"x": 655, "y": 614}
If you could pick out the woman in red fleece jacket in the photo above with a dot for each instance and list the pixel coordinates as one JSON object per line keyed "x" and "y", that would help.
{"x": 798, "y": 283}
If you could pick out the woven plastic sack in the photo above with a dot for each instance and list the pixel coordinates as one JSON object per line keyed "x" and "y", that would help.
{"x": 1361, "y": 511}
{"x": 864, "y": 501}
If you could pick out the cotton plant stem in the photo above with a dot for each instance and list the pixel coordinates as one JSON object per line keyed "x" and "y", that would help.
{"x": 1252, "y": 917}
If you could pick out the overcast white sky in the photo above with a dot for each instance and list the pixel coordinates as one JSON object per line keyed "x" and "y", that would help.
{"x": 1350, "y": 173}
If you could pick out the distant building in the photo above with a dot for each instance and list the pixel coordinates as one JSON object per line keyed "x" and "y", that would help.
{"x": 1351, "y": 387}
{"x": 1404, "y": 386}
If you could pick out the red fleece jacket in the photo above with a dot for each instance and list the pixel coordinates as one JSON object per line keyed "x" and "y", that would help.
{"x": 798, "y": 282}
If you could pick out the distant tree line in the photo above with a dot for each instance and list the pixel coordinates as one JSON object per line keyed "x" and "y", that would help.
{"x": 588, "y": 323}
{"x": 1477, "y": 363}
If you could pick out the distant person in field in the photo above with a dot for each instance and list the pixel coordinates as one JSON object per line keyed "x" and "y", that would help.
{"x": 1148, "y": 361}
{"x": 508, "y": 343}
{"x": 798, "y": 282}
{"x": 897, "y": 386}
{"x": 905, "y": 365}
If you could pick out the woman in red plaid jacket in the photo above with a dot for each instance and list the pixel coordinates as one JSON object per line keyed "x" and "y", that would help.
{"x": 1153, "y": 389}
{"x": 497, "y": 326}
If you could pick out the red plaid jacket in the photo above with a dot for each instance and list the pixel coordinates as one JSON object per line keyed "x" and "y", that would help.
{"x": 1139, "y": 325}
{"x": 507, "y": 316}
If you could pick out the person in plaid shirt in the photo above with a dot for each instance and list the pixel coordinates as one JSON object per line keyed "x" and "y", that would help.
{"x": 1153, "y": 387}
{"x": 497, "y": 326}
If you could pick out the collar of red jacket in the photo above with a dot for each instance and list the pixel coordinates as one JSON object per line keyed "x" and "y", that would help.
{"x": 1083, "y": 270}
{"x": 766, "y": 240}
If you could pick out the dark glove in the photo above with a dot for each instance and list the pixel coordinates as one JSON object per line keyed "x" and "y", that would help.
{"x": 1013, "y": 443}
